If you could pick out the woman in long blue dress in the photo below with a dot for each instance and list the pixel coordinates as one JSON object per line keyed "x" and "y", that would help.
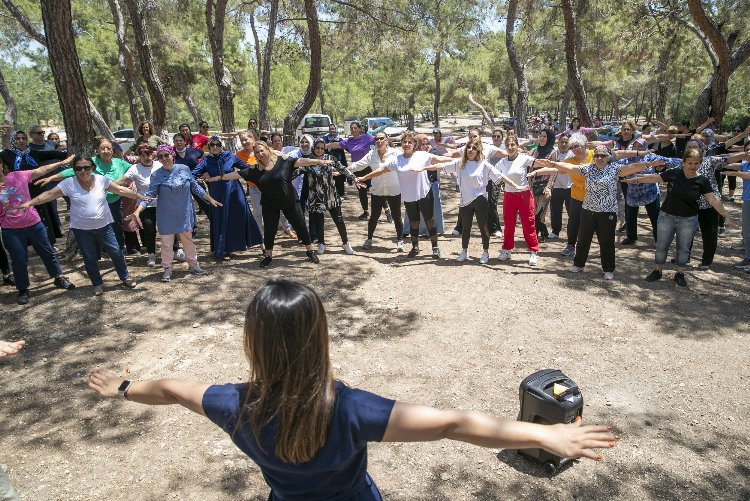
{"x": 233, "y": 227}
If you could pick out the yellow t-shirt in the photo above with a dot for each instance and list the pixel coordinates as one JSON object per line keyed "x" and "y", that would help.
{"x": 578, "y": 190}
{"x": 249, "y": 159}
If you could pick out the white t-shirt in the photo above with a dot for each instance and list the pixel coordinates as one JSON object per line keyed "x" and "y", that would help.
{"x": 385, "y": 185}
{"x": 473, "y": 178}
{"x": 88, "y": 209}
{"x": 516, "y": 171}
{"x": 142, "y": 177}
{"x": 414, "y": 185}
{"x": 563, "y": 180}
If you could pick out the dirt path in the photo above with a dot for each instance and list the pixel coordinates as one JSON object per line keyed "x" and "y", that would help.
{"x": 666, "y": 365}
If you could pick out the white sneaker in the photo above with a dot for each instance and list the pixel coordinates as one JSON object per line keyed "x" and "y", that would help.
{"x": 367, "y": 245}
{"x": 504, "y": 255}
{"x": 608, "y": 275}
{"x": 167, "y": 275}
{"x": 348, "y": 248}
{"x": 552, "y": 236}
{"x": 152, "y": 259}
{"x": 321, "y": 248}
{"x": 533, "y": 259}
{"x": 463, "y": 256}
{"x": 180, "y": 255}
{"x": 485, "y": 258}
{"x": 400, "y": 246}
{"x": 455, "y": 233}
{"x": 498, "y": 233}
{"x": 575, "y": 269}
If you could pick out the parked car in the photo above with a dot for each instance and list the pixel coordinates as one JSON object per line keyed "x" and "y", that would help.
{"x": 393, "y": 131}
{"x": 315, "y": 125}
{"x": 509, "y": 123}
{"x": 125, "y": 138}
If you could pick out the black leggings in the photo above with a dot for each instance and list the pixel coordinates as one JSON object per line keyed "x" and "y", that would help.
{"x": 363, "y": 191}
{"x": 317, "y": 224}
{"x": 574, "y": 220}
{"x": 148, "y": 232}
{"x": 426, "y": 207}
{"x": 560, "y": 198}
{"x": 708, "y": 221}
{"x": 493, "y": 217}
{"x": 293, "y": 214}
{"x": 604, "y": 225}
{"x": 479, "y": 206}
{"x": 378, "y": 202}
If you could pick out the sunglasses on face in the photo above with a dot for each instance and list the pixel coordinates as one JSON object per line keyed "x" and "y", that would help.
{"x": 379, "y": 139}
{"x": 79, "y": 168}
{"x": 600, "y": 156}
{"x": 498, "y": 137}
{"x": 163, "y": 155}
{"x": 472, "y": 148}
{"x": 214, "y": 145}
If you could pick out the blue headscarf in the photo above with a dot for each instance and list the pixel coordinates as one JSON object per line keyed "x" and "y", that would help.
{"x": 21, "y": 155}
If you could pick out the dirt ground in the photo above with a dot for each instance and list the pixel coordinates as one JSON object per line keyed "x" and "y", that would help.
{"x": 666, "y": 365}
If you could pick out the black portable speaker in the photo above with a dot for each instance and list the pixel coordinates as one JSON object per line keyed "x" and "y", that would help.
{"x": 549, "y": 397}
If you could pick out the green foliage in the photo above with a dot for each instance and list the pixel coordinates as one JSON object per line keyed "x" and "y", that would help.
{"x": 378, "y": 57}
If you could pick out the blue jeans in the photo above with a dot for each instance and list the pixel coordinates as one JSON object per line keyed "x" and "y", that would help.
{"x": 667, "y": 227}
{"x": 105, "y": 236}
{"x": 17, "y": 241}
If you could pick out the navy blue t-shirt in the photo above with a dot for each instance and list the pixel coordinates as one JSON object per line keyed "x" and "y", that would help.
{"x": 338, "y": 470}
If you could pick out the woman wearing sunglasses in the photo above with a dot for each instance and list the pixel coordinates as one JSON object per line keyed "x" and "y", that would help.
{"x": 172, "y": 185}
{"x": 233, "y": 227}
{"x": 90, "y": 218}
{"x": 599, "y": 214}
{"x": 274, "y": 177}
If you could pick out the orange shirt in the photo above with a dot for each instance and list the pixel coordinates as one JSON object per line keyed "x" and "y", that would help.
{"x": 249, "y": 159}
{"x": 578, "y": 190}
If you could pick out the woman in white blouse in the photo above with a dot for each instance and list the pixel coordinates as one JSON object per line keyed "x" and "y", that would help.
{"x": 385, "y": 189}
{"x": 415, "y": 188}
{"x": 473, "y": 173}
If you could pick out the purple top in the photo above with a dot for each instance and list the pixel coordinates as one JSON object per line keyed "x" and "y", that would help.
{"x": 358, "y": 147}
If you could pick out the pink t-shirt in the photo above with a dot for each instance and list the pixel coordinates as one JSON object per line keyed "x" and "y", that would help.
{"x": 14, "y": 192}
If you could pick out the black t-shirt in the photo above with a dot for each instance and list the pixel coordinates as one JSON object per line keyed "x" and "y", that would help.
{"x": 681, "y": 142}
{"x": 668, "y": 151}
{"x": 275, "y": 185}
{"x": 683, "y": 193}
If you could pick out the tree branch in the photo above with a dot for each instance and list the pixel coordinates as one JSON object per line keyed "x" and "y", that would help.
{"x": 368, "y": 14}
{"x": 25, "y": 22}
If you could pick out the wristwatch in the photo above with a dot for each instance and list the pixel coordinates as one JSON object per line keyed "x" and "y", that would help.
{"x": 122, "y": 391}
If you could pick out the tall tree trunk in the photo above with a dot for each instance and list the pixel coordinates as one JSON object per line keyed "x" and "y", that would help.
{"x": 66, "y": 68}
{"x": 662, "y": 86}
{"x": 486, "y": 117}
{"x": 125, "y": 63}
{"x": 575, "y": 81}
{"x": 10, "y": 117}
{"x": 519, "y": 70}
{"x": 564, "y": 106}
{"x": 264, "y": 86}
{"x": 303, "y": 106}
{"x": 713, "y": 99}
{"x": 321, "y": 98}
{"x": 436, "y": 96}
{"x": 216, "y": 11}
{"x": 410, "y": 112}
{"x": 100, "y": 122}
{"x": 676, "y": 109}
{"x": 191, "y": 106}
{"x": 42, "y": 40}
{"x": 148, "y": 69}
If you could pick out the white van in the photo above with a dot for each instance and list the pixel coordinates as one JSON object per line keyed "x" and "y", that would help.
{"x": 315, "y": 125}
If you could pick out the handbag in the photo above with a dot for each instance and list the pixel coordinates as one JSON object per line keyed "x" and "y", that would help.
{"x": 538, "y": 186}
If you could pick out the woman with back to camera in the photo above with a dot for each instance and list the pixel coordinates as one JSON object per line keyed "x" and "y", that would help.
{"x": 308, "y": 431}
